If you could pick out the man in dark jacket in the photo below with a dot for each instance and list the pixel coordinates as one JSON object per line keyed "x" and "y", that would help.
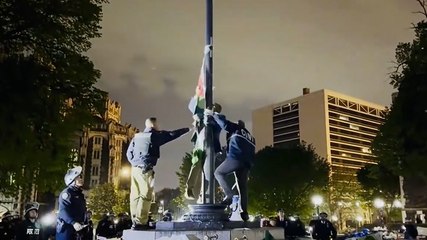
{"x": 143, "y": 153}
{"x": 323, "y": 229}
{"x": 30, "y": 228}
{"x": 106, "y": 227}
{"x": 239, "y": 159}
{"x": 411, "y": 231}
{"x": 72, "y": 207}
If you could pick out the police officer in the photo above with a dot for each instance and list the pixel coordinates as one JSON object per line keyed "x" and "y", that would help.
{"x": 143, "y": 153}
{"x": 323, "y": 228}
{"x": 72, "y": 207}
{"x": 30, "y": 228}
{"x": 239, "y": 159}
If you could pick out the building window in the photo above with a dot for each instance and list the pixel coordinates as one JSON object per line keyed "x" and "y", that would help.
{"x": 96, "y": 154}
{"x": 352, "y": 126}
{"x": 97, "y": 140}
{"x": 366, "y": 150}
{"x": 341, "y": 117}
{"x": 95, "y": 170}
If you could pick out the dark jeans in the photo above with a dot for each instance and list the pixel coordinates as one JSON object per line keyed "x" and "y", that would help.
{"x": 241, "y": 173}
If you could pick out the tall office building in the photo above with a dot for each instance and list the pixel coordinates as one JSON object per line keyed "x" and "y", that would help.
{"x": 340, "y": 128}
{"x": 103, "y": 148}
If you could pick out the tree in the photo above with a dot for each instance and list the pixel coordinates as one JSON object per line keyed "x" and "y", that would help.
{"x": 401, "y": 144}
{"x": 47, "y": 88}
{"x": 106, "y": 198}
{"x": 286, "y": 178}
{"x": 184, "y": 171}
{"x": 378, "y": 181}
{"x": 123, "y": 202}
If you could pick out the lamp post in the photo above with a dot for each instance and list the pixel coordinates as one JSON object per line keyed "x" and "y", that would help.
{"x": 317, "y": 200}
{"x": 380, "y": 204}
{"x": 359, "y": 220}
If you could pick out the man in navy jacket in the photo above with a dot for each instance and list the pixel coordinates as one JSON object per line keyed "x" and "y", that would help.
{"x": 143, "y": 153}
{"x": 240, "y": 157}
{"x": 72, "y": 206}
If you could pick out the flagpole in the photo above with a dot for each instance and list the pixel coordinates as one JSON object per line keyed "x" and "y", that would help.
{"x": 210, "y": 153}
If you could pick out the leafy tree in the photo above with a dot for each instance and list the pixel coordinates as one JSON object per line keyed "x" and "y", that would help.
{"x": 378, "y": 181}
{"x": 123, "y": 202}
{"x": 401, "y": 144}
{"x": 286, "y": 178}
{"x": 184, "y": 171}
{"x": 47, "y": 88}
{"x": 106, "y": 198}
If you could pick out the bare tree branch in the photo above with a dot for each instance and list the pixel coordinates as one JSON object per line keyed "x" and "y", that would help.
{"x": 423, "y": 6}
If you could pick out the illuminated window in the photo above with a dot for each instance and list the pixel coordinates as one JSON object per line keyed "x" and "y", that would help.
{"x": 345, "y": 118}
{"x": 366, "y": 150}
{"x": 354, "y": 127}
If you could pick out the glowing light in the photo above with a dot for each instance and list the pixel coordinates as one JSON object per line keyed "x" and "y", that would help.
{"x": 317, "y": 200}
{"x": 334, "y": 218}
{"x": 379, "y": 203}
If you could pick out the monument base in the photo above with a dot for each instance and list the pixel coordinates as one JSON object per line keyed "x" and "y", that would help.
{"x": 225, "y": 234}
{"x": 214, "y": 225}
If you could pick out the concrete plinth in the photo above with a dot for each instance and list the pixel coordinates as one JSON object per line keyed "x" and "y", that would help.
{"x": 225, "y": 234}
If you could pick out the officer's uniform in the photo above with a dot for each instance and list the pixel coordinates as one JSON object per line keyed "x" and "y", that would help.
{"x": 240, "y": 157}
{"x": 72, "y": 207}
{"x": 143, "y": 153}
{"x": 28, "y": 230}
{"x": 323, "y": 229}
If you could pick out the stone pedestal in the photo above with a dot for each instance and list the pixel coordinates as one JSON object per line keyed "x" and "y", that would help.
{"x": 225, "y": 234}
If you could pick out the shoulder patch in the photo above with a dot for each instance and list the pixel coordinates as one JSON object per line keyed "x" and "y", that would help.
{"x": 65, "y": 196}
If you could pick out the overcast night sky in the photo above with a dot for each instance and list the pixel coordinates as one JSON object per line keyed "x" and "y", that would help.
{"x": 265, "y": 51}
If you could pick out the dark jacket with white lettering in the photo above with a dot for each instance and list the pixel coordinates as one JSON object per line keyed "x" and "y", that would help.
{"x": 144, "y": 149}
{"x": 241, "y": 144}
{"x": 28, "y": 230}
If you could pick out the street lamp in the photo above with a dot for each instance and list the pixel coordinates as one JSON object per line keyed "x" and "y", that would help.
{"x": 379, "y": 203}
{"x": 397, "y": 204}
{"x": 317, "y": 200}
{"x": 359, "y": 219}
{"x": 125, "y": 172}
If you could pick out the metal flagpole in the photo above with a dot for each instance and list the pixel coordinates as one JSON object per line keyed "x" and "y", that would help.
{"x": 210, "y": 153}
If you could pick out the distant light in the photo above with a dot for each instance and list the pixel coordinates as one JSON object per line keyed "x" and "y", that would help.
{"x": 125, "y": 172}
{"x": 48, "y": 219}
{"x": 292, "y": 219}
{"x": 251, "y": 218}
{"x": 359, "y": 218}
{"x": 397, "y": 204}
{"x": 317, "y": 200}
{"x": 116, "y": 221}
{"x": 334, "y": 218}
{"x": 379, "y": 203}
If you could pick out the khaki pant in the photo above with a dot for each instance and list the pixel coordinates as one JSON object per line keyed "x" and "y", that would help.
{"x": 141, "y": 193}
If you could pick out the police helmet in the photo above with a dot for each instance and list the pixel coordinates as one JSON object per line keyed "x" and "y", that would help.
{"x": 323, "y": 214}
{"x": 31, "y": 206}
{"x": 72, "y": 174}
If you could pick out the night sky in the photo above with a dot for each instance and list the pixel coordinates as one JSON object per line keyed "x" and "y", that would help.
{"x": 265, "y": 51}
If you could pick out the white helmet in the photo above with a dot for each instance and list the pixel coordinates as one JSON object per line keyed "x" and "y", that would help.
{"x": 72, "y": 174}
{"x": 31, "y": 206}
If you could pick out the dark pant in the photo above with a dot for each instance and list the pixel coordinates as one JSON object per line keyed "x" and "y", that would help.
{"x": 241, "y": 172}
